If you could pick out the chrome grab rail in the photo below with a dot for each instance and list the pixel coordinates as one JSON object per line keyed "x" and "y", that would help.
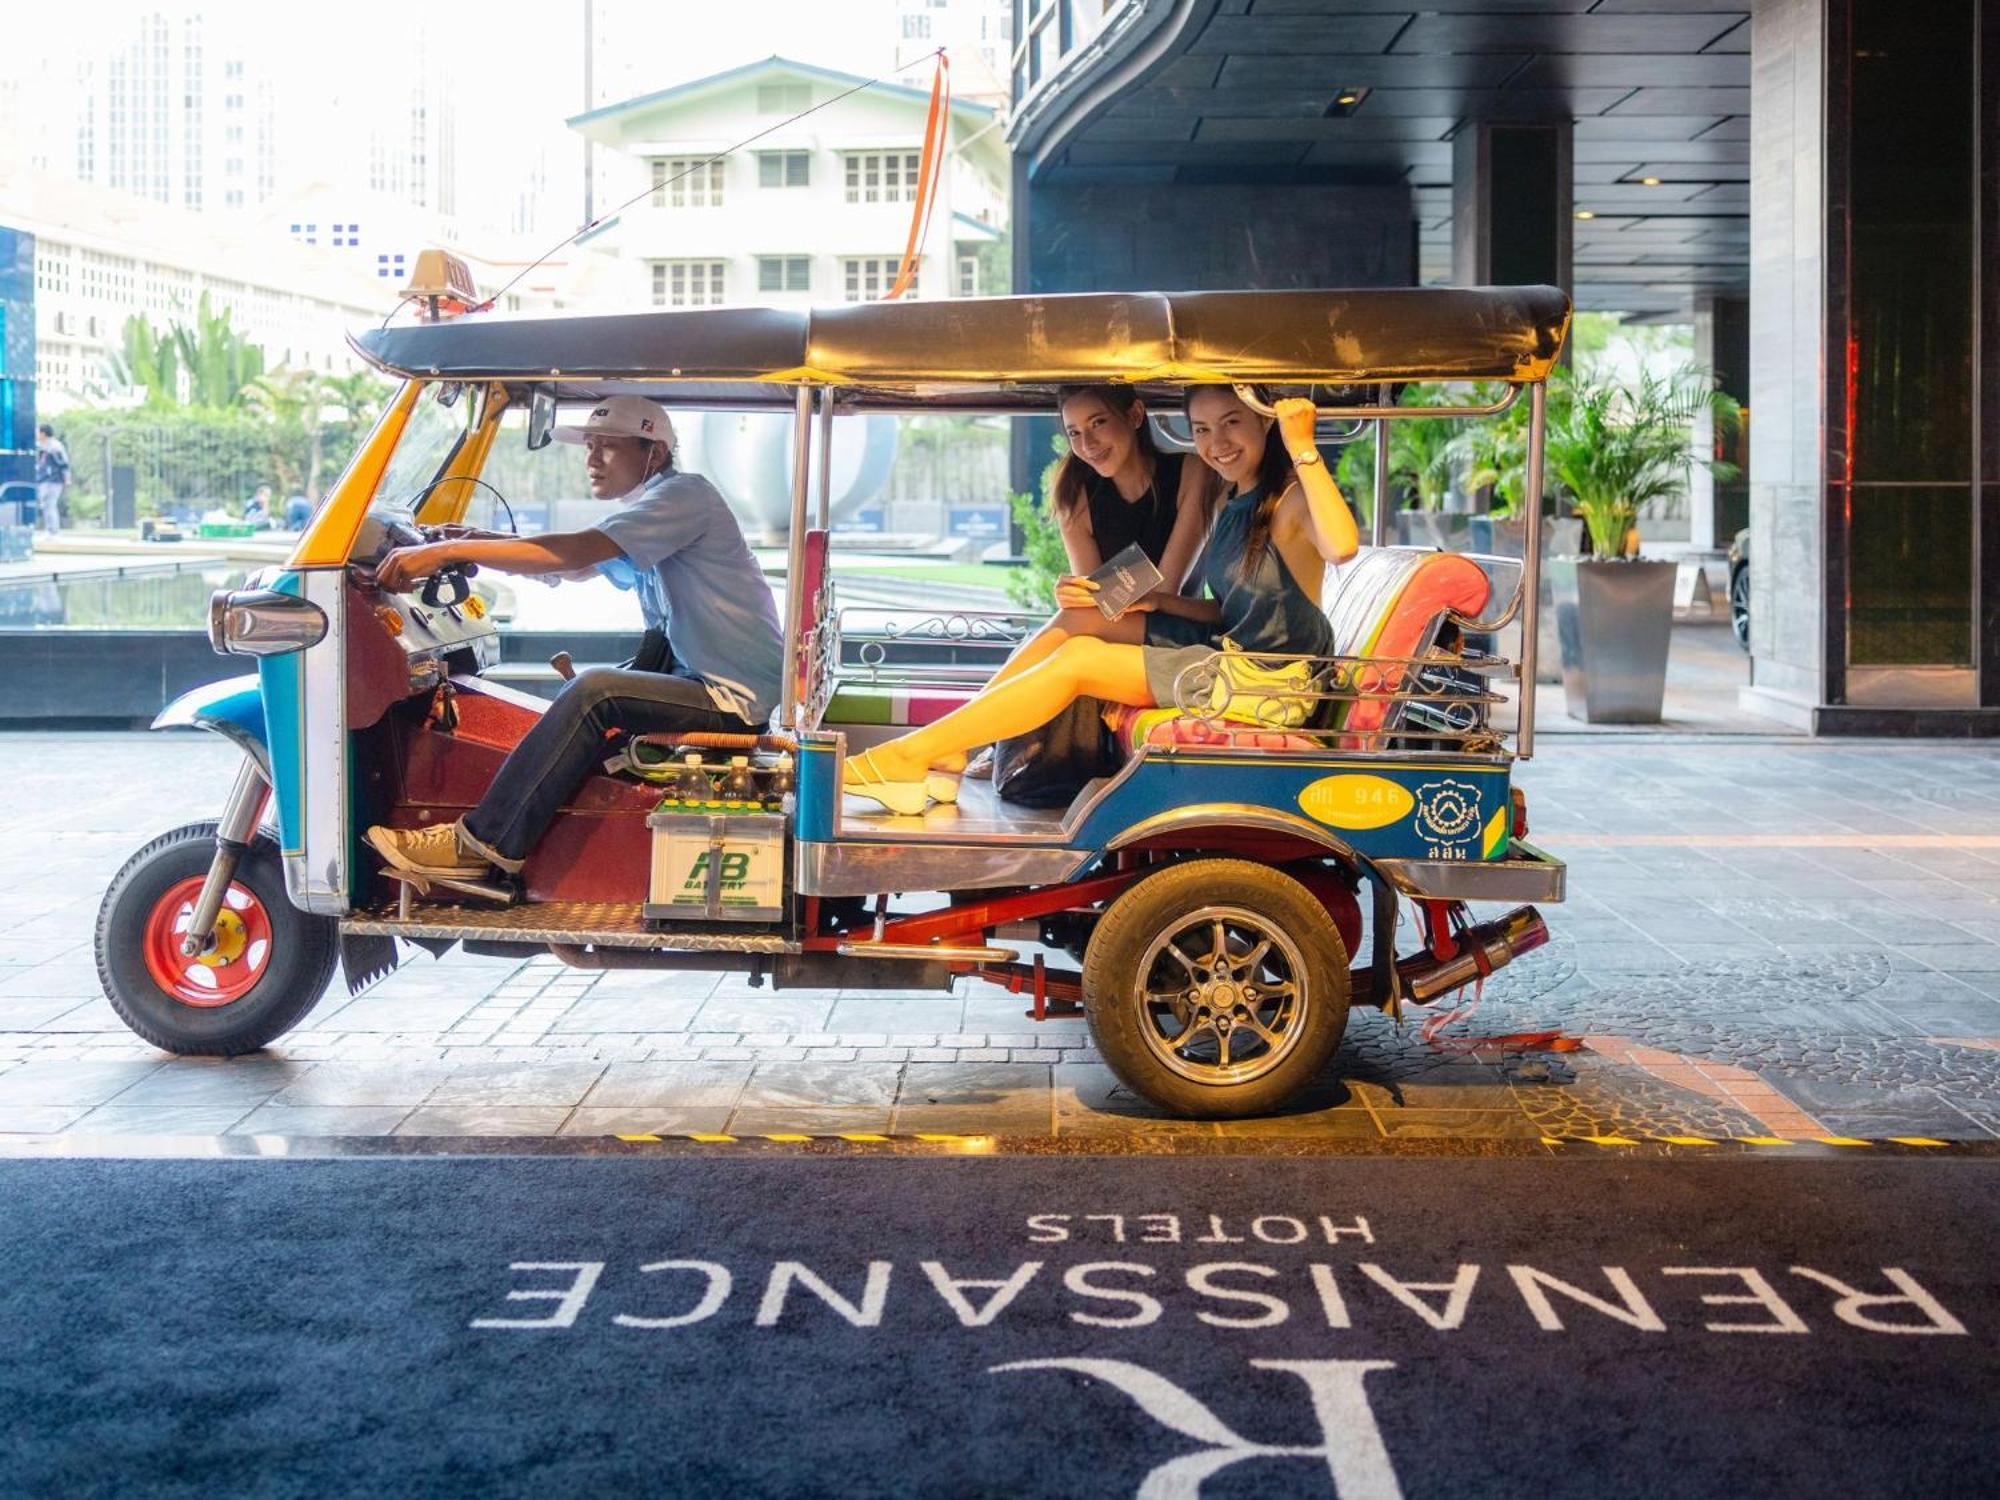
{"x": 1439, "y": 710}
{"x": 1251, "y": 399}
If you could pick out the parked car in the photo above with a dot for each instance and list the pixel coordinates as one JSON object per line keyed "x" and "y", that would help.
{"x": 1739, "y": 587}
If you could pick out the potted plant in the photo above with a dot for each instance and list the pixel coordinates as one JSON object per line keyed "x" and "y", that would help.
{"x": 1494, "y": 455}
{"x": 1613, "y": 446}
{"x": 1421, "y": 462}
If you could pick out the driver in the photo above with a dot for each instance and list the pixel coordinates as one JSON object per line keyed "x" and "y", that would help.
{"x": 677, "y": 543}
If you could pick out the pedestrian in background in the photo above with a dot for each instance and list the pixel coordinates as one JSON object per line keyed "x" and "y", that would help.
{"x": 51, "y": 477}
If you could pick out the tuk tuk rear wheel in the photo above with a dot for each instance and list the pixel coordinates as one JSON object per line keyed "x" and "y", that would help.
{"x": 266, "y": 968}
{"x": 1217, "y": 988}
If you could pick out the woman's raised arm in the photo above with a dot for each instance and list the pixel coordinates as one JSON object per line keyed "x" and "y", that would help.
{"x": 1333, "y": 530}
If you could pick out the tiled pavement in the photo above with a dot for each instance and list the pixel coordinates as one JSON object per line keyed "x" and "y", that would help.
{"x": 1774, "y": 939}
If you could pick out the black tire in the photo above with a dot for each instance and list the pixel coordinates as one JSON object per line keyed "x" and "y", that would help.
{"x": 303, "y": 950}
{"x": 1129, "y": 960}
{"x": 1739, "y": 606}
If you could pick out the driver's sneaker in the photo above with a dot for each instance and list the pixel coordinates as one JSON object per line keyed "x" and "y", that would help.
{"x": 429, "y": 851}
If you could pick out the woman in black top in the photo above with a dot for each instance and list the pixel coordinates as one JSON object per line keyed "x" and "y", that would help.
{"x": 1114, "y": 489}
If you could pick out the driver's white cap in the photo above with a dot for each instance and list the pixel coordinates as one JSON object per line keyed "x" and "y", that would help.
{"x": 622, "y": 416}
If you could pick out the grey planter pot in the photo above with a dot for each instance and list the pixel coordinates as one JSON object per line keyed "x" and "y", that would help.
{"x": 1614, "y": 621}
{"x": 1450, "y": 530}
{"x": 1560, "y": 538}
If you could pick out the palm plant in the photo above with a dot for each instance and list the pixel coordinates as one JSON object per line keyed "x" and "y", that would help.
{"x": 1422, "y": 453}
{"x": 1615, "y": 446}
{"x": 1493, "y": 452}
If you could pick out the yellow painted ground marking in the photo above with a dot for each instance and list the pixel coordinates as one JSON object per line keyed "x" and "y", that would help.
{"x": 924, "y": 1137}
{"x": 698, "y": 1136}
{"x": 1554, "y": 1140}
{"x": 1917, "y": 1140}
{"x": 1685, "y": 1140}
{"x": 775, "y": 1136}
{"x": 1610, "y": 1140}
{"x": 861, "y": 1135}
{"x": 1842, "y": 1140}
{"x": 1763, "y": 1140}
{"x": 638, "y": 1138}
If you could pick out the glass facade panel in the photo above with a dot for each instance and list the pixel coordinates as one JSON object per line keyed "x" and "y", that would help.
{"x": 17, "y": 355}
{"x": 1910, "y": 359}
{"x": 1912, "y": 291}
{"x": 1911, "y": 576}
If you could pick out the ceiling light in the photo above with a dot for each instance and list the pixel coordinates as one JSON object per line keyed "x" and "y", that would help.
{"x": 1345, "y": 102}
{"x": 1649, "y": 182}
{"x": 1584, "y": 213}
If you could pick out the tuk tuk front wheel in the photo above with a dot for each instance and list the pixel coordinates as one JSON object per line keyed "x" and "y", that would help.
{"x": 1216, "y": 988}
{"x": 265, "y": 968}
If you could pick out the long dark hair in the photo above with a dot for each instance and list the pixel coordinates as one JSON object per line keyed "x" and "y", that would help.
{"x": 1275, "y": 475}
{"x": 1075, "y": 477}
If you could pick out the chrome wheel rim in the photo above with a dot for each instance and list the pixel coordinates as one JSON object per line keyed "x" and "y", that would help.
{"x": 1222, "y": 996}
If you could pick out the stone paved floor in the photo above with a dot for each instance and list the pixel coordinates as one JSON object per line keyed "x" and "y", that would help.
{"x": 1764, "y": 938}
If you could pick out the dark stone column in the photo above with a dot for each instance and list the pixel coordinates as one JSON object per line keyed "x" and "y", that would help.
{"x": 1873, "y": 425}
{"x": 1511, "y": 190}
{"x": 1717, "y": 508}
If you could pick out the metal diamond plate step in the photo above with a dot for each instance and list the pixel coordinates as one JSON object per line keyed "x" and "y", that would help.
{"x": 603, "y": 923}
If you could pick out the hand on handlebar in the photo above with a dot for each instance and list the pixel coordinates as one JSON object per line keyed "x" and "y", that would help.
{"x": 399, "y": 570}
{"x": 1296, "y": 420}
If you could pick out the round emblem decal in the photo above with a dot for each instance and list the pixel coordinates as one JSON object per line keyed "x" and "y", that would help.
{"x": 1447, "y": 810}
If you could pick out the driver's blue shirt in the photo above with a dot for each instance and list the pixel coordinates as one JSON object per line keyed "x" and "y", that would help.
{"x": 681, "y": 549}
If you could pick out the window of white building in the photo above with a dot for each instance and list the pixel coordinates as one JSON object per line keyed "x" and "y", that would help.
{"x": 968, "y": 276}
{"x": 686, "y": 182}
{"x": 882, "y": 176}
{"x": 688, "y": 283}
{"x": 788, "y": 169}
{"x": 389, "y": 264}
{"x": 916, "y": 28}
{"x": 865, "y": 278}
{"x": 784, "y": 273}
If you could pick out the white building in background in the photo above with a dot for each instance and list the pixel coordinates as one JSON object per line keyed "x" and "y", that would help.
{"x": 817, "y": 211}
{"x": 978, "y": 36}
{"x": 102, "y": 256}
{"x": 378, "y": 236}
{"x": 172, "y": 108}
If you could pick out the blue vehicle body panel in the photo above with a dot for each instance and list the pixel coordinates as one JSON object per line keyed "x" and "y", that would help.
{"x": 234, "y": 706}
{"x": 1423, "y": 807}
{"x": 282, "y": 679}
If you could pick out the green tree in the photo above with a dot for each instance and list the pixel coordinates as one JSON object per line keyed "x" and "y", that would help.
{"x": 1032, "y": 586}
{"x": 219, "y": 361}
{"x": 147, "y": 360}
{"x": 292, "y": 402}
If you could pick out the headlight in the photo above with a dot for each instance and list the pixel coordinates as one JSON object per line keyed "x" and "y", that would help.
{"x": 263, "y": 622}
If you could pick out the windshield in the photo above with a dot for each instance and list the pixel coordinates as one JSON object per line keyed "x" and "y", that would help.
{"x": 426, "y": 446}
{"x": 428, "y": 441}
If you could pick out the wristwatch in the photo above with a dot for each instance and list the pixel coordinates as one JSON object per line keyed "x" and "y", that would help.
{"x": 1310, "y": 456}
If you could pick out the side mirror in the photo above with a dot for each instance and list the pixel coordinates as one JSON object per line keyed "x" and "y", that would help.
{"x": 541, "y": 418}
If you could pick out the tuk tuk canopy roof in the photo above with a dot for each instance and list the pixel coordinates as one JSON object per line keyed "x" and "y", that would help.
{"x": 1006, "y": 351}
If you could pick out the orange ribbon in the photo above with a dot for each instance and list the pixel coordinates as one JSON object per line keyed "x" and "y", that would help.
{"x": 929, "y": 168}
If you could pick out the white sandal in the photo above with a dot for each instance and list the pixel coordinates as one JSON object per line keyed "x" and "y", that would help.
{"x": 905, "y": 798}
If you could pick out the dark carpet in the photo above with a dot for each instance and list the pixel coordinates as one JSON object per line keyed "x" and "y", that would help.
{"x": 1207, "y": 1325}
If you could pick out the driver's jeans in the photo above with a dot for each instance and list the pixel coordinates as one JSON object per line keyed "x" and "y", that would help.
{"x": 567, "y": 744}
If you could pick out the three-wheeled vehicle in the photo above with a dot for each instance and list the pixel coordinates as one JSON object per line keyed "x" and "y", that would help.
{"x": 1211, "y": 896}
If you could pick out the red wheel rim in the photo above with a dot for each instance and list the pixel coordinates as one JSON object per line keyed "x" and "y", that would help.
{"x": 235, "y": 960}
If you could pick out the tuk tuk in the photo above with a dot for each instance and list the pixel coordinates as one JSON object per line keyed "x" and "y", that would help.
{"x": 1207, "y": 905}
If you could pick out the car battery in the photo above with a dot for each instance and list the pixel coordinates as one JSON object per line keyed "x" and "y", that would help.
{"x": 717, "y": 866}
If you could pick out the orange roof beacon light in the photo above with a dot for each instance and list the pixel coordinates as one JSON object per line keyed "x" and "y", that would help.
{"x": 443, "y": 283}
